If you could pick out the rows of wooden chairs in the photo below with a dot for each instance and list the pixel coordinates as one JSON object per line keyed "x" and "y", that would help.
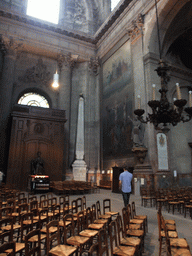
{"x": 54, "y": 219}
{"x": 168, "y": 233}
{"x": 170, "y": 199}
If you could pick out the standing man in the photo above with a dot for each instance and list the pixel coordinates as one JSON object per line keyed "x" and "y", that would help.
{"x": 125, "y": 179}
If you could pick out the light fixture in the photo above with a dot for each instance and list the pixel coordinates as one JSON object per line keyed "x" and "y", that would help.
{"x": 164, "y": 112}
{"x": 55, "y": 83}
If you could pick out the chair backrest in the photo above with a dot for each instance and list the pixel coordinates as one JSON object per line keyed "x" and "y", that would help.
{"x": 7, "y": 246}
{"x": 81, "y": 221}
{"x": 6, "y": 236}
{"x": 88, "y": 216}
{"x": 21, "y": 195}
{"x": 23, "y": 208}
{"x": 6, "y": 221}
{"x": 129, "y": 211}
{"x": 133, "y": 209}
{"x": 159, "y": 215}
{"x": 84, "y": 203}
{"x": 44, "y": 203}
{"x": 79, "y": 204}
{"x": 34, "y": 205}
{"x": 22, "y": 200}
{"x": 126, "y": 218}
{"x": 120, "y": 230}
{"x": 43, "y": 197}
{"x": 68, "y": 229}
{"x": 32, "y": 248}
{"x": 52, "y": 236}
{"x": 7, "y": 211}
{"x": 106, "y": 205}
{"x": 94, "y": 212}
{"x": 74, "y": 206}
{"x": 26, "y": 226}
{"x": 98, "y": 209}
{"x": 113, "y": 235}
{"x": 94, "y": 250}
{"x": 32, "y": 198}
{"x": 162, "y": 222}
{"x": 103, "y": 243}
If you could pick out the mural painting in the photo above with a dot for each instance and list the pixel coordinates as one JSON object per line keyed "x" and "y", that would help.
{"x": 117, "y": 104}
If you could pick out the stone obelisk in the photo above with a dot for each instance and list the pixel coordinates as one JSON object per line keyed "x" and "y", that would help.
{"x": 79, "y": 165}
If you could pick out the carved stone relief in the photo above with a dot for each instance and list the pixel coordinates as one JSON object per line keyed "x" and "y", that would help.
{"x": 37, "y": 74}
{"x": 94, "y": 64}
{"x": 137, "y": 27}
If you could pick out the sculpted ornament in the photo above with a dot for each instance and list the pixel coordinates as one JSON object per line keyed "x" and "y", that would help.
{"x": 9, "y": 45}
{"x": 66, "y": 60}
{"x": 94, "y": 63}
{"x": 37, "y": 74}
{"x": 137, "y": 27}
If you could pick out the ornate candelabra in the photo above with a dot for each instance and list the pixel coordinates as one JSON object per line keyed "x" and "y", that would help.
{"x": 164, "y": 112}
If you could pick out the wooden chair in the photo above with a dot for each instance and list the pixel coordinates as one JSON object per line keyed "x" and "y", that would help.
{"x": 116, "y": 248}
{"x": 127, "y": 241}
{"x": 91, "y": 222}
{"x": 129, "y": 228}
{"x": 32, "y": 248}
{"x": 83, "y": 226}
{"x": 135, "y": 221}
{"x": 172, "y": 234}
{"x": 8, "y": 247}
{"x": 102, "y": 216}
{"x": 172, "y": 202}
{"x": 107, "y": 208}
{"x": 59, "y": 249}
{"x": 175, "y": 246}
{"x": 95, "y": 217}
{"x": 7, "y": 235}
{"x": 130, "y": 225}
{"x": 142, "y": 217}
{"x": 103, "y": 243}
{"x": 75, "y": 240}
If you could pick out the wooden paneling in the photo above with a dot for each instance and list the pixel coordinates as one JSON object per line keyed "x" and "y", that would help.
{"x": 34, "y": 130}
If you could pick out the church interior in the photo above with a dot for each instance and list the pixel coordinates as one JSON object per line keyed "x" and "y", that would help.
{"x": 69, "y": 92}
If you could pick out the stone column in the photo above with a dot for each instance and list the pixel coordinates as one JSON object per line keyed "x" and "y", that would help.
{"x": 66, "y": 64}
{"x": 94, "y": 119}
{"x": 79, "y": 165}
{"x": 136, "y": 36}
{"x": 10, "y": 48}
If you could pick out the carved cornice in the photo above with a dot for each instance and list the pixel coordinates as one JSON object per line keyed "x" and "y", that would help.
{"x": 94, "y": 64}
{"x": 37, "y": 74}
{"x": 137, "y": 27}
{"x": 88, "y": 39}
{"x": 9, "y": 45}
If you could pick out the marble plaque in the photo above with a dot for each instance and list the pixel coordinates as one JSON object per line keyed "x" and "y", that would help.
{"x": 162, "y": 151}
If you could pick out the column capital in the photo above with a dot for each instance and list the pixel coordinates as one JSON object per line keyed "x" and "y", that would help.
{"x": 9, "y": 45}
{"x": 137, "y": 27}
{"x": 94, "y": 64}
{"x": 67, "y": 60}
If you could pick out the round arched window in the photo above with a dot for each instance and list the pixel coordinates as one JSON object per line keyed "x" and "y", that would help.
{"x": 33, "y": 99}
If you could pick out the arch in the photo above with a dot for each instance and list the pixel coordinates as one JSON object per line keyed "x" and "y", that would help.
{"x": 167, "y": 11}
{"x": 38, "y": 91}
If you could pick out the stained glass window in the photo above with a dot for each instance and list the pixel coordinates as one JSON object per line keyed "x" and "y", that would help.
{"x": 33, "y": 99}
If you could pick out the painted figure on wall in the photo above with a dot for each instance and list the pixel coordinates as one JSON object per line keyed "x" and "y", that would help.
{"x": 137, "y": 133}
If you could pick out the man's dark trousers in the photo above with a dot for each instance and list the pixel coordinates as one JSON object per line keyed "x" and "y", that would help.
{"x": 126, "y": 198}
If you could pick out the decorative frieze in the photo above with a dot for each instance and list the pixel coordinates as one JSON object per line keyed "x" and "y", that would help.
{"x": 94, "y": 64}
{"x": 37, "y": 74}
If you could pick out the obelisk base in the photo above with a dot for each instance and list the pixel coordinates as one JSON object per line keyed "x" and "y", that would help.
{"x": 79, "y": 170}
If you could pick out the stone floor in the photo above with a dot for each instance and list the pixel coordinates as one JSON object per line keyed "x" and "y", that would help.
{"x": 184, "y": 225}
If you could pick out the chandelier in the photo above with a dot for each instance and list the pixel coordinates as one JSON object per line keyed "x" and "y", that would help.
{"x": 164, "y": 112}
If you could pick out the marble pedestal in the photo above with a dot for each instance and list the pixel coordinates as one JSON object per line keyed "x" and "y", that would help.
{"x": 79, "y": 170}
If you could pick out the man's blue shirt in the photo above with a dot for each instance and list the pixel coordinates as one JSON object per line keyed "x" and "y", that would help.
{"x": 125, "y": 178}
